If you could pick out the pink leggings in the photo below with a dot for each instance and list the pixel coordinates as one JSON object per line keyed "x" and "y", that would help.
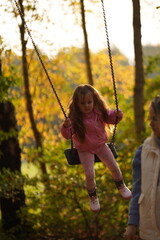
{"x": 106, "y": 156}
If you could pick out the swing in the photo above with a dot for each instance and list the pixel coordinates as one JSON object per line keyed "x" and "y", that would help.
{"x": 72, "y": 153}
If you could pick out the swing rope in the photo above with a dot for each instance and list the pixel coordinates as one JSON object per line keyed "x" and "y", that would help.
{"x": 41, "y": 61}
{"x": 112, "y": 70}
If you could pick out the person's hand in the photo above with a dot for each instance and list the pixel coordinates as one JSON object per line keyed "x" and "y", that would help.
{"x": 67, "y": 122}
{"x": 130, "y": 233}
{"x": 119, "y": 114}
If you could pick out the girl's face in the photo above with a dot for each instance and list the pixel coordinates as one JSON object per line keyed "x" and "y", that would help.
{"x": 86, "y": 103}
{"x": 154, "y": 122}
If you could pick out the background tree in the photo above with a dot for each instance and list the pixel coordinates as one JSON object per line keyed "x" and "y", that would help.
{"x": 25, "y": 67}
{"x": 10, "y": 158}
{"x": 86, "y": 47}
{"x": 139, "y": 72}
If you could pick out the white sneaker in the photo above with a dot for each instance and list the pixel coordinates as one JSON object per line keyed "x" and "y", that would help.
{"x": 94, "y": 204}
{"x": 125, "y": 192}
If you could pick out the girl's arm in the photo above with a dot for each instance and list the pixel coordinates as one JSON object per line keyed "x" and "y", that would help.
{"x": 66, "y": 128}
{"x": 114, "y": 116}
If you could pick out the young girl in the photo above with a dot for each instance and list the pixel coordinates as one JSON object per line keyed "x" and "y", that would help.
{"x": 87, "y": 118}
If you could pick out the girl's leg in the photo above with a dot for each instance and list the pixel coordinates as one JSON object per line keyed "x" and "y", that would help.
{"x": 87, "y": 161}
{"x": 108, "y": 159}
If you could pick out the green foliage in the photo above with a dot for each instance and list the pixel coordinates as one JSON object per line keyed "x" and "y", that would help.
{"x": 5, "y": 84}
{"x": 13, "y": 182}
{"x": 152, "y": 64}
{"x": 60, "y": 209}
{"x": 6, "y": 135}
{"x": 152, "y": 69}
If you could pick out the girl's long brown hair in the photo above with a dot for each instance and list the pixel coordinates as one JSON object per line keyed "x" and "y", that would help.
{"x": 75, "y": 114}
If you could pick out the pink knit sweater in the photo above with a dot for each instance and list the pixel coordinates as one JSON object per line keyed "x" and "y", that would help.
{"x": 95, "y": 135}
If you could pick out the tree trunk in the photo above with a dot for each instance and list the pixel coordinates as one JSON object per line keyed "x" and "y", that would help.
{"x": 139, "y": 71}
{"x": 10, "y": 159}
{"x": 86, "y": 48}
{"x": 36, "y": 133}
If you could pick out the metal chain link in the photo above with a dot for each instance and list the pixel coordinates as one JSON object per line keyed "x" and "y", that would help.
{"x": 112, "y": 70}
{"x": 38, "y": 54}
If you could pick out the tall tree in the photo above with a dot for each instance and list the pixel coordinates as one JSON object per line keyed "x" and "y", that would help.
{"x": 139, "y": 71}
{"x": 86, "y": 46}
{"x": 37, "y": 134}
{"x": 10, "y": 158}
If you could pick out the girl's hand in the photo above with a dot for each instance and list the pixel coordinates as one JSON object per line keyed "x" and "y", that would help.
{"x": 67, "y": 123}
{"x": 120, "y": 114}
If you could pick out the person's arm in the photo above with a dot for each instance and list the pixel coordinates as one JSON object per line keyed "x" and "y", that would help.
{"x": 66, "y": 129}
{"x": 133, "y": 220}
{"x": 114, "y": 116}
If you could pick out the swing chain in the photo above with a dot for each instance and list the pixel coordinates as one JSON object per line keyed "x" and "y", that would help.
{"x": 112, "y": 71}
{"x": 40, "y": 58}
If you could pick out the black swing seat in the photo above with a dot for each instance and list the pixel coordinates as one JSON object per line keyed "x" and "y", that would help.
{"x": 73, "y": 157}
